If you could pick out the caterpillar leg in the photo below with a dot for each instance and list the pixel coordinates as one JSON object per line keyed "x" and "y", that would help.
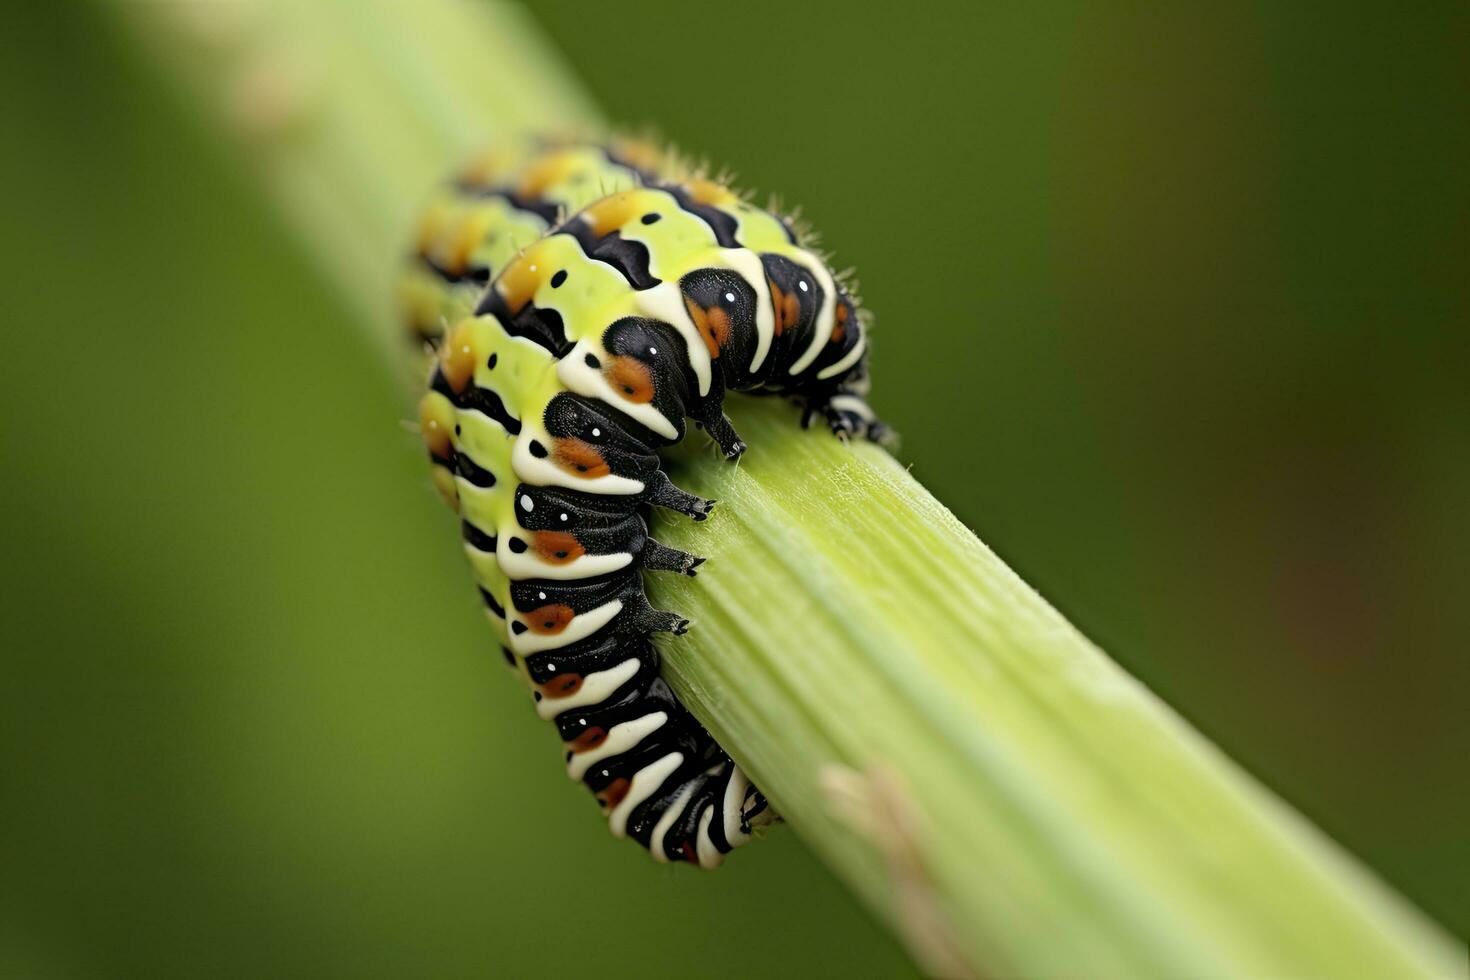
{"x": 663, "y": 621}
{"x": 660, "y": 558}
{"x": 722, "y": 431}
{"x": 643, "y": 618}
{"x": 848, "y": 416}
{"x": 662, "y": 493}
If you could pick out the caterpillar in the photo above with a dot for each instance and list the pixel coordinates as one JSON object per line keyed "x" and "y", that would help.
{"x": 581, "y": 302}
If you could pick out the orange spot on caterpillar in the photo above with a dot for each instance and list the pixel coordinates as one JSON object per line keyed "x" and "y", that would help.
{"x": 703, "y": 191}
{"x": 712, "y": 324}
{"x": 550, "y": 619}
{"x": 614, "y": 793}
{"x": 557, "y": 547}
{"x": 639, "y": 153}
{"x": 448, "y": 489}
{"x": 612, "y": 213}
{"x": 434, "y": 425}
{"x": 457, "y": 356}
{"x": 561, "y": 686}
{"x": 547, "y": 171}
{"x": 579, "y": 457}
{"x": 787, "y": 307}
{"x": 632, "y": 378}
{"x": 519, "y": 280}
{"x": 588, "y": 740}
{"x": 839, "y": 327}
{"x": 464, "y": 237}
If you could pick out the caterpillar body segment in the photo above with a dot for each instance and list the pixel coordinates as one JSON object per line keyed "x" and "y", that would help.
{"x": 657, "y": 310}
{"x": 500, "y": 203}
{"x": 587, "y": 351}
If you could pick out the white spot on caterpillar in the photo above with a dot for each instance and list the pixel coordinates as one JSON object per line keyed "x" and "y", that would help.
{"x": 729, "y": 297}
{"x": 596, "y": 432}
{"x": 801, "y": 285}
{"x": 526, "y": 503}
{"x": 562, "y": 516}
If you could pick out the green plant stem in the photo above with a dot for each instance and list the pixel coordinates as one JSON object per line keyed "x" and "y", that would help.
{"x": 977, "y": 771}
{"x": 1060, "y": 819}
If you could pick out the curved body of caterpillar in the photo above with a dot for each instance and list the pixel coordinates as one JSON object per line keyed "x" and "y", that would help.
{"x": 546, "y": 410}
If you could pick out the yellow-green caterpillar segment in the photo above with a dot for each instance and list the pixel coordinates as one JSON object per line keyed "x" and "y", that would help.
{"x": 503, "y": 201}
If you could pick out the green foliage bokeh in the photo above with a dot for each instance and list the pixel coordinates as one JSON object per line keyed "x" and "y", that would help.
{"x": 1171, "y": 309}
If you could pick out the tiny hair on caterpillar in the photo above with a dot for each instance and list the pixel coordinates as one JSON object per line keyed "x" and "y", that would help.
{"x": 582, "y": 303}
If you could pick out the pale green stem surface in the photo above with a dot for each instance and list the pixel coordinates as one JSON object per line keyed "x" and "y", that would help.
{"x": 986, "y": 780}
{"x": 1060, "y": 818}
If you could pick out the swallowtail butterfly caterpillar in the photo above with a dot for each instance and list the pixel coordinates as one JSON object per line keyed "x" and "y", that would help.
{"x": 582, "y": 302}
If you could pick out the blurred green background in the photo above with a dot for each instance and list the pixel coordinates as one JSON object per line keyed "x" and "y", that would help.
{"x": 1172, "y": 309}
